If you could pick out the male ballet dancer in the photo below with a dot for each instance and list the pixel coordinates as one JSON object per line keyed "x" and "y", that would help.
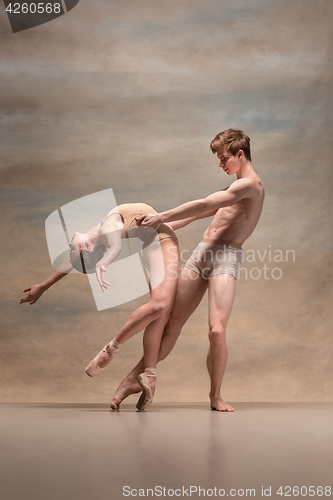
{"x": 214, "y": 263}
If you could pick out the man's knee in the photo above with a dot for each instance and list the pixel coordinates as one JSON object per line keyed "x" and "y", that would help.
{"x": 217, "y": 335}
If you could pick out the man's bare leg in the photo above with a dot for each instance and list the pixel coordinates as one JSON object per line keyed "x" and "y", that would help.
{"x": 190, "y": 290}
{"x": 221, "y": 298}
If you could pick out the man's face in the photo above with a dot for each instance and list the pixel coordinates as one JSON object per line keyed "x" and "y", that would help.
{"x": 230, "y": 164}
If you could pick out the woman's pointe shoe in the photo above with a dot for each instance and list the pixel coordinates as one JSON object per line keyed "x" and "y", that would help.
{"x": 147, "y": 395}
{"x": 93, "y": 368}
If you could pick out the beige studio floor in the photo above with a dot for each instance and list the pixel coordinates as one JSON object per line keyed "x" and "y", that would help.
{"x": 86, "y": 451}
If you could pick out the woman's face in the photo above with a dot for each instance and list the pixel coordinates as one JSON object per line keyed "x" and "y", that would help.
{"x": 77, "y": 244}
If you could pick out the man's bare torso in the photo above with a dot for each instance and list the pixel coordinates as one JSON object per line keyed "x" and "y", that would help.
{"x": 237, "y": 222}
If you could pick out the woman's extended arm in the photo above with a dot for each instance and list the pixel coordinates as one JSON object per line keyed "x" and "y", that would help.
{"x": 36, "y": 291}
{"x": 112, "y": 231}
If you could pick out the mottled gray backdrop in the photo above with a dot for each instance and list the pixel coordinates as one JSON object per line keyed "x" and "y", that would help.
{"x": 128, "y": 94}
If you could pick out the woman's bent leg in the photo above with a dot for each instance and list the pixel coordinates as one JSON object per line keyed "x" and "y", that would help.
{"x": 161, "y": 298}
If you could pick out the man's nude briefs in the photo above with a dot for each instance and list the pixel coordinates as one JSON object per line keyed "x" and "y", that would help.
{"x": 211, "y": 258}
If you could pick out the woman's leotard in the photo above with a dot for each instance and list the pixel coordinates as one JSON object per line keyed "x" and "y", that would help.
{"x": 133, "y": 228}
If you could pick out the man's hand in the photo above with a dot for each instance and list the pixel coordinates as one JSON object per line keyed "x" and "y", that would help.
{"x": 35, "y": 291}
{"x": 149, "y": 220}
{"x": 100, "y": 271}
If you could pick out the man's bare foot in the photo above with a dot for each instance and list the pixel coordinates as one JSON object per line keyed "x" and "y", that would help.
{"x": 126, "y": 388}
{"x": 219, "y": 405}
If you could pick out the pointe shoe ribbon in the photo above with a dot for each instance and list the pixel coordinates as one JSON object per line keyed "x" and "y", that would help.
{"x": 93, "y": 368}
{"x": 147, "y": 395}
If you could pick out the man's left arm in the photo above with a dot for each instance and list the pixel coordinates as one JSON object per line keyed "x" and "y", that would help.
{"x": 238, "y": 190}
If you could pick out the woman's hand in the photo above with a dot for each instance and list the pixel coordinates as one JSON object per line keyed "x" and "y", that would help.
{"x": 100, "y": 271}
{"x": 35, "y": 291}
{"x": 150, "y": 220}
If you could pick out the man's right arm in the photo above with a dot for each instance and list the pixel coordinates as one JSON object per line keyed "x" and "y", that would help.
{"x": 36, "y": 291}
{"x": 239, "y": 189}
{"x": 177, "y": 224}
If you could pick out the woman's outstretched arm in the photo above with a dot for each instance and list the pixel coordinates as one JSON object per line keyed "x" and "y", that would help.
{"x": 112, "y": 230}
{"x": 36, "y": 291}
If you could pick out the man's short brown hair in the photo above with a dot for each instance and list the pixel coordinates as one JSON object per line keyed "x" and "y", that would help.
{"x": 234, "y": 140}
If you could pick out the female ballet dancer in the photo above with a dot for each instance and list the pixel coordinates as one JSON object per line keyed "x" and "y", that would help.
{"x": 95, "y": 250}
